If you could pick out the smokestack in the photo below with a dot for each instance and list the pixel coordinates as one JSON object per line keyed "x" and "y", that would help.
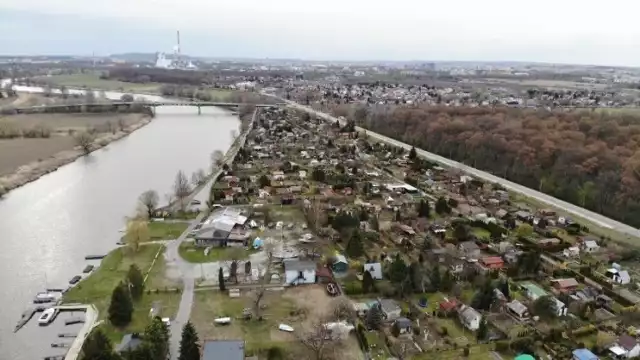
{"x": 178, "y": 34}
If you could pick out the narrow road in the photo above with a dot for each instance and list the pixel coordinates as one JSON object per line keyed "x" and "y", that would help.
{"x": 188, "y": 283}
{"x": 591, "y": 216}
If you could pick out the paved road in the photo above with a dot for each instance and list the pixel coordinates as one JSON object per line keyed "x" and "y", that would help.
{"x": 188, "y": 283}
{"x": 591, "y": 216}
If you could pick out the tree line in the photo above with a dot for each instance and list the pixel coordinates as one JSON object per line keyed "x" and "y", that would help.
{"x": 589, "y": 158}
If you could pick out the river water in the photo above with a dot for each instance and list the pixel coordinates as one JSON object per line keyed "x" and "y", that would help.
{"x": 47, "y": 227}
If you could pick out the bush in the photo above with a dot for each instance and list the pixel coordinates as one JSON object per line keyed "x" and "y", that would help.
{"x": 9, "y": 130}
{"x": 275, "y": 353}
{"x": 352, "y": 288}
{"x": 38, "y": 131}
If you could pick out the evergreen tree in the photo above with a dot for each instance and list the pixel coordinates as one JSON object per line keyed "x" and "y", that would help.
{"x": 504, "y": 287}
{"x": 121, "y": 306}
{"x": 447, "y": 281}
{"x": 424, "y": 209}
{"x": 436, "y": 278}
{"x": 375, "y": 224}
{"x": 398, "y": 270}
{"x": 413, "y": 153}
{"x": 367, "y": 282}
{"x": 483, "y": 330}
{"x": 354, "y": 246}
{"x": 221, "y": 279}
{"x": 136, "y": 282}
{"x": 156, "y": 336}
{"x": 97, "y": 346}
{"x": 189, "y": 347}
{"x": 374, "y": 318}
{"x": 442, "y": 207}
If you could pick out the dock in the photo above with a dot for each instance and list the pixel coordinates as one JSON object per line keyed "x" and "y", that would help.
{"x": 66, "y": 335}
{"x": 60, "y": 345}
{"x": 54, "y": 357}
{"x": 94, "y": 257}
{"x": 27, "y": 315}
{"x": 88, "y": 269}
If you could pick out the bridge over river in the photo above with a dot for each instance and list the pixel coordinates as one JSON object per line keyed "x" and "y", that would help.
{"x": 116, "y": 106}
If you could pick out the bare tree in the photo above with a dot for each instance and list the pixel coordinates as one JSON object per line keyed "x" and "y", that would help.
{"x": 318, "y": 339}
{"x": 198, "y": 177}
{"x": 217, "y": 159}
{"x": 84, "y": 139}
{"x": 122, "y": 124}
{"x": 343, "y": 310}
{"x": 235, "y": 254}
{"x": 149, "y": 199}
{"x": 268, "y": 248}
{"x": 181, "y": 188}
{"x": 234, "y": 134}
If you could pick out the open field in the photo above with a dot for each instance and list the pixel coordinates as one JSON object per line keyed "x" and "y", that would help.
{"x": 294, "y": 307}
{"x": 17, "y": 152}
{"x": 93, "y": 81}
{"x": 21, "y": 151}
{"x": 160, "y": 230}
{"x": 193, "y": 254}
{"x": 97, "y": 288}
{"x": 549, "y": 83}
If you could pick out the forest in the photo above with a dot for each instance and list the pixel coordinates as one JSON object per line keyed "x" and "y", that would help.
{"x": 589, "y": 158}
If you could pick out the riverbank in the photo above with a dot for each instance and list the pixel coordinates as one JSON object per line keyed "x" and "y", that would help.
{"x": 33, "y": 158}
{"x": 96, "y": 289}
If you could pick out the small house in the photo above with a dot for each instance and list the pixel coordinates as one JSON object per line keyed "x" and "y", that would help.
{"x": 518, "y": 310}
{"x": 375, "y": 269}
{"x": 448, "y": 306}
{"x": 590, "y": 246}
{"x": 403, "y": 325}
{"x": 129, "y": 343}
{"x": 492, "y": 262}
{"x": 571, "y": 252}
{"x": 323, "y": 275}
{"x": 565, "y": 285}
{"x": 340, "y": 264}
{"x": 223, "y": 349}
{"x": 583, "y": 354}
{"x": 390, "y": 309}
{"x": 469, "y": 317}
{"x": 533, "y": 291}
{"x": 469, "y": 249}
{"x": 299, "y": 272}
{"x": 618, "y": 276}
{"x": 626, "y": 347}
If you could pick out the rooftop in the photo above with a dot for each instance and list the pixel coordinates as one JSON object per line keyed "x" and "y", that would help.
{"x": 223, "y": 350}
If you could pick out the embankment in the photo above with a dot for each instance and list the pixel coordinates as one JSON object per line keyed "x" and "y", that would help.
{"x": 33, "y": 170}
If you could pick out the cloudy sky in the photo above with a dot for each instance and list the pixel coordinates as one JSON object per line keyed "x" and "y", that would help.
{"x": 566, "y": 31}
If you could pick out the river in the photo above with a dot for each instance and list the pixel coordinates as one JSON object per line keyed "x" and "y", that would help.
{"x": 47, "y": 227}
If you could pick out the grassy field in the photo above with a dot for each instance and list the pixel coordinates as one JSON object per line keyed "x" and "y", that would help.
{"x": 93, "y": 81}
{"x": 97, "y": 288}
{"x": 194, "y": 254}
{"x": 160, "y": 230}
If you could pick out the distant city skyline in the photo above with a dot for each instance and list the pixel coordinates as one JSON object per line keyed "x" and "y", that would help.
{"x": 493, "y": 30}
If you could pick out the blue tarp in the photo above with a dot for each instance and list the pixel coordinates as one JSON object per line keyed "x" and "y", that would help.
{"x": 257, "y": 243}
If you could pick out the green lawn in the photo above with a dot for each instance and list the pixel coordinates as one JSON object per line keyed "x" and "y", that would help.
{"x": 481, "y": 233}
{"x": 97, "y": 288}
{"x": 93, "y": 81}
{"x": 161, "y": 230}
{"x": 377, "y": 346}
{"x": 194, "y": 254}
{"x": 476, "y": 352}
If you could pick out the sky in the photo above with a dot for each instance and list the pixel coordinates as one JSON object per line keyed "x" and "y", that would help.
{"x": 556, "y": 31}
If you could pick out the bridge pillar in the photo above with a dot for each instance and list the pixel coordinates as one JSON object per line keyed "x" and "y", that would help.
{"x": 199, "y": 110}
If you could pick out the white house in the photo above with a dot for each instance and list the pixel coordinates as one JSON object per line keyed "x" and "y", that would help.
{"x": 619, "y": 276}
{"x": 298, "y": 272}
{"x": 626, "y": 347}
{"x": 375, "y": 269}
{"x": 469, "y": 317}
{"x": 560, "y": 307}
{"x": 590, "y": 246}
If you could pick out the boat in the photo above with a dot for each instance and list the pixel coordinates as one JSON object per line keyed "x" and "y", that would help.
{"x": 47, "y": 316}
{"x": 222, "y": 321}
{"x": 88, "y": 269}
{"x": 44, "y": 297}
{"x": 74, "y": 280}
{"x": 94, "y": 257}
{"x": 75, "y": 320}
{"x": 285, "y": 327}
